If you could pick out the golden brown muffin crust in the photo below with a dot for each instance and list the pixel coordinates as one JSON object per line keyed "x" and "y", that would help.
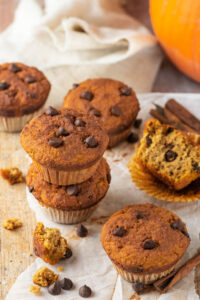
{"x": 73, "y": 153}
{"x": 89, "y": 192}
{"x": 23, "y": 89}
{"x": 106, "y": 95}
{"x": 142, "y": 222}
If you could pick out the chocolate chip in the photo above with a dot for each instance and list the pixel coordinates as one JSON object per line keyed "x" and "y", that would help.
{"x": 115, "y": 111}
{"x": 62, "y": 131}
{"x": 75, "y": 85}
{"x": 51, "y": 111}
{"x": 14, "y": 68}
{"x": 91, "y": 142}
{"x": 148, "y": 140}
{"x": 30, "y": 79}
{"x": 4, "y": 85}
{"x": 82, "y": 231}
{"x": 186, "y": 234}
{"x": 87, "y": 95}
{"x": 31, "y": 188}
{"x": 170, "y": 155}
{"x": 196, "y": 167}
{"x": 138, "y": 287}
{"x": 140, "y": 215}
{"x": 66, "y": 284}
{"x": 55, "y": 142}
{"x": 169, "y": 130}
{"x": 79, "y": 123}
{"x": 125, "y": 91}
{"x": 68, "y": 253}
{"x": 132, "y": 138}
{"x": 178, "y": 224}
{"x": 137, "y": 123}
{"x": 55, "y": 288}
{"x": 85, "y": 291}
{"x": 72, "y": 190}
{"x": 95, "y": 112}
{"x": 119, "y": 231}
{"x": 90, "y": 197}
{"x": 108, "y": 177}
{"x": 149, "y": 244}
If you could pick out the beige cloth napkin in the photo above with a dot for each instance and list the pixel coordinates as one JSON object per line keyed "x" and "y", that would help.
{"x": 72, "y": 40}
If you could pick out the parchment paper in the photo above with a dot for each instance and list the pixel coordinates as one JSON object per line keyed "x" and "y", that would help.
{"x": 89, "y": 264}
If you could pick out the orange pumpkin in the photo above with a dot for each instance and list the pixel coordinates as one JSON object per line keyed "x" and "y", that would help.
{"x": 177, "y": 26}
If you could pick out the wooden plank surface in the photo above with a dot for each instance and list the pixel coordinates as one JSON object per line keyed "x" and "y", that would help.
{"x": 15, "y": 246}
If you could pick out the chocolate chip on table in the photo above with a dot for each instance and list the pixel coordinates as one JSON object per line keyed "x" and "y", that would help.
{"x": 82, "y": 231}
{"x": 148, "y": 140}
{"x": 55, "y": 288}
{"x": 119, "y": 231}
{"x": 68, "y": 253}
{"x": 62, "y": 131}
{"x": 149, "y": 244}
{"x": 14, "y": 68}
{"x": 75, "y": 85}
{"x": 170, "y": 155}
{"x": 91, "y": 142}
{"x": 125, "y": 91}
{"x": 30, "y": 79}
{"x": 132, "y": 138}
{"x": 55, "y": 142}
{"x": 170, "y": 130}
{"x": 31, "y": 188}
{"x": 79, "y": 123}
{"x": 108, "y": 176}
{"x": 4, "y": 85}
{"x": 196, "y": 167}
{"x": 137, "y": 123}
{"x": 87, "y": 95}
{"x": 72, "y": 190}
{"x": 95, "y": 112}
{"x": 66, "y": 284}
{"x": 115, "y": 111}
{"x": 138, "y": 287}
{"x": 51, "y": 111}
{"x": 85, "y": 291}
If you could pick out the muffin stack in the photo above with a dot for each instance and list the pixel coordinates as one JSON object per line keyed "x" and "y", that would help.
{"x": 68, "y": 176}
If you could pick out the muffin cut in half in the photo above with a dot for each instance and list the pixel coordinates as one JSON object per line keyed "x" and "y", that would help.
{"x": 49, "y": 244}
{"x": 169, "y": 154}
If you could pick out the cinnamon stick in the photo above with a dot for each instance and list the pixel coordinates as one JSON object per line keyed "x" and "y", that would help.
{"x": 164, "y": 284}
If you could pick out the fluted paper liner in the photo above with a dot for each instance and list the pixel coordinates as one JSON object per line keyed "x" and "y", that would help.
{"x": 145, "y": 181}
{"x": 115, "y": 139}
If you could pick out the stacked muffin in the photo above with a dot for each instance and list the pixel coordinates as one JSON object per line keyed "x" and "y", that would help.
{"x": 68, "y": 176}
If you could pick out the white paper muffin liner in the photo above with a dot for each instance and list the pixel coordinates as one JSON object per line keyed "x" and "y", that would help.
{"x": 66, "y": 177}
{"x": 143, "y": 278}
{"x": 115, "y": 139}
{"x": 15, "y": 124}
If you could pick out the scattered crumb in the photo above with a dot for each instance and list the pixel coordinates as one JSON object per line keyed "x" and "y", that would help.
{"x": 12, "y": 175}
{"x": 35, "y": 289}
{"x": 60, "y": 269}
{"x": 44, "y": 277}
{"x": 135, "y": 297}
{"x": 11, "y": 224}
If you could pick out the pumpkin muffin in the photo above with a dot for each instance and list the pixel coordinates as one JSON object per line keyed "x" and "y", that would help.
{"x": 65, "y": 145}
{"x": 169, "y": 154}
{"x": 49, "y": 244}
{"x": 144, "y": 242}
{"x": 109, "y": 100}
{"x": 23, "y": 92}
{"x": 70, "y": 204}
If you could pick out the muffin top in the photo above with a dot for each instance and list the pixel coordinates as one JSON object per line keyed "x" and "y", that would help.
{"x": 64, "y": 139}
{"x": 23, "y": 89}
{"x": 72, "y": 197}
{"x": 144, "y": 238}
{"x": 109, "y": 100}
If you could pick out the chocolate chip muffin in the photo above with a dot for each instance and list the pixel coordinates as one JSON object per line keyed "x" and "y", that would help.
{"x": 67, "y": 146}
{"x": 73, "y": 203}
{"x": 169, "y": 154}
{"x": 144, "y": 242}
{"x": 23, "y": 92}
{"x": 109, "y": 100}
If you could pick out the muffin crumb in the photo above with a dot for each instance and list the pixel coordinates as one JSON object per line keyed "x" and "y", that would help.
{"x": 12, "y": 175}
{"x": 44, "y": 277}
{"x": 35, "y": 289}
{"x": 60, "y": 269}
{"x": 12, "y": 224}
